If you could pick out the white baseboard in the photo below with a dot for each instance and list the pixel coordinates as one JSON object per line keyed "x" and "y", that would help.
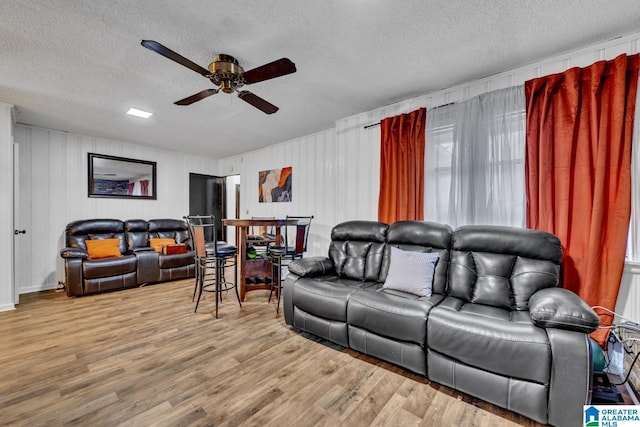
{"x": 37, "y": 288}
{"x": 7, "y": 307}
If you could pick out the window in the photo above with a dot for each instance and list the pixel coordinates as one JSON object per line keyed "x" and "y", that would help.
{"x": 474, "y": 165}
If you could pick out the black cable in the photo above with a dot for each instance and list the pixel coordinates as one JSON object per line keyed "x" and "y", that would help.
{"x": 630, "y": 368}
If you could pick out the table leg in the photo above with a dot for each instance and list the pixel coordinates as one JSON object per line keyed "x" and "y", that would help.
{"x": 278, "y": 236}
{"x": 242, "y": 253}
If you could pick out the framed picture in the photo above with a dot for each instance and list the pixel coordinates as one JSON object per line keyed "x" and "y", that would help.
{"x": 274, "y": 185}
{"x": 122, "y": 178}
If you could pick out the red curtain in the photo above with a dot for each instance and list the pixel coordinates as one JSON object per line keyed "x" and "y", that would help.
{"x": 578, "y": 163}
{"x": 144, "y": 187}
{"x": 402, "y": 167}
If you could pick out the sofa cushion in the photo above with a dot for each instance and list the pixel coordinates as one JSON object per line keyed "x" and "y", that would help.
{"x": 106, "y": 267}
{"x": 502, "y": 266}
{"x": 325, "y": 297}
{"x": 77, "y": 232}
{"x": 392, "y": 314}
{"x": 103, "y": 248}
{"x": 108, "y": 283}
{"x": 411, "y": 271}
{"x": 137, "y": 232}
{"x": 176, "y": 229}
{"x": 176, "y": 260}
{"x": 490, "y": 338}
{"x": 357, "y": 249}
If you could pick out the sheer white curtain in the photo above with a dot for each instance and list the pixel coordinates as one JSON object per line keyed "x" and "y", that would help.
{"x": 474, "y": 160}
{"x": 633, "y": 245}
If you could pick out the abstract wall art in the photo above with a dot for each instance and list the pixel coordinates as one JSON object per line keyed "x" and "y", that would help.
{"x": 274, "y": 185}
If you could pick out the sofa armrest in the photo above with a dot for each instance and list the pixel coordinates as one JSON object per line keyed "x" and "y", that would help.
{"x": 561, "y": 308}
{"x": 143, "y": 249}
{"x": 312, "y": 266}
{"x": 148, "y": 267}
{"x": 73, "y": 253}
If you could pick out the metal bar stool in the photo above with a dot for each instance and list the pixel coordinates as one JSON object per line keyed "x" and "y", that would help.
{"x": 209, "y": 239}
{"x": 276, "y": 253}
{"x": 211, "y": 261}
{"x": 296, "y": 234}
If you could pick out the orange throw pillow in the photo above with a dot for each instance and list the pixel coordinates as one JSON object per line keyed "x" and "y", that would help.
{"x": 103, "y": 248}
{"x": 157, "y": 244}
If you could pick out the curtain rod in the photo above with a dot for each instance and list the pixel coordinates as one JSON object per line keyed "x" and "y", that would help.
{"x": 434, "y": 108}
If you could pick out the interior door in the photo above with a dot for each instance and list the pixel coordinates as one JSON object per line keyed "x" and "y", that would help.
{"x": 206, "y": 197}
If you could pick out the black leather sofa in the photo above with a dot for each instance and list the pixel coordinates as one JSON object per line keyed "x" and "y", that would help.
{"x": 496, "y": 325}
{"x": 139, "y": 264}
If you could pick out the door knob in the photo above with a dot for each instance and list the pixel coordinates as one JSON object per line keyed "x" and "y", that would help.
{"x": 19, "y": 231}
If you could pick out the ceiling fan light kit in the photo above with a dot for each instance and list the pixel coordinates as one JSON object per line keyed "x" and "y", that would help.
{"x": 226, "y": 73}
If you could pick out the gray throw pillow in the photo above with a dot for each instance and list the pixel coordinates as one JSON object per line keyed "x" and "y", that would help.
{"x": 411, "y": 272}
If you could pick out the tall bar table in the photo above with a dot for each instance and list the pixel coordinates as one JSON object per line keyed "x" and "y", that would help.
{"x": 257, "y": 267}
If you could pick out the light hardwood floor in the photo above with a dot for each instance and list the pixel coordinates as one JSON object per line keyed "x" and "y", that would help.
{"x": 142, "y": 357}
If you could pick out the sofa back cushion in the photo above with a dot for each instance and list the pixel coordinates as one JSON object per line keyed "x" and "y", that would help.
{"x": 502, "y": 266}
{"x": 175, "y": 229}
{"x": 137, "y": 232}
{"x": 358, "y": 248}
{"x": 77, "y": 232}
{"x": 421, "y": 236}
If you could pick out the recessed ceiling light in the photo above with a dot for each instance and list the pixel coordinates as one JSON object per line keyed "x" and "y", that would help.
{"x": 139, "y": 113}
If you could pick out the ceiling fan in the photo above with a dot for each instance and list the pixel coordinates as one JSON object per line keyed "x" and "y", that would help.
{"x": 226, "y": 72}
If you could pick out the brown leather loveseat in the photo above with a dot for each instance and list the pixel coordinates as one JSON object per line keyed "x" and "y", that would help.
{"x": 120, "y": 254}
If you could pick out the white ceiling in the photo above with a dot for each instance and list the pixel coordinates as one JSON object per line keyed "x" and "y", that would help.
{"x": 77, "y": 65}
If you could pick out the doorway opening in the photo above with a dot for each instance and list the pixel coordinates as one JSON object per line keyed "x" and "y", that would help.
{"x": 232, "y": 205}
{"x": 207, "y": 197}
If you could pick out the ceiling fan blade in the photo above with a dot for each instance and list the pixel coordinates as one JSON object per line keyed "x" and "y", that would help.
{"x": 257, "y": 102}
{"x": 280, "y": 67}
{"x": 197, "y": 97}
{"x": 168, "y": 53}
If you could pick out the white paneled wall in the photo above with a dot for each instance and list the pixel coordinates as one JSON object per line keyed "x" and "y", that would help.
{"x": 315, "y": 183}
{"x": 53, "y": 192}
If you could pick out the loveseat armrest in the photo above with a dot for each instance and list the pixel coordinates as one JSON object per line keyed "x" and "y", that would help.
{"x": 561, "y": 308}
{"x": 73, "y": 253}
{"x": 312, "y": 266}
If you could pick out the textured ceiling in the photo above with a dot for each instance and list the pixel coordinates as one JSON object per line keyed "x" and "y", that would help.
{"x": 77, "y": 65}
